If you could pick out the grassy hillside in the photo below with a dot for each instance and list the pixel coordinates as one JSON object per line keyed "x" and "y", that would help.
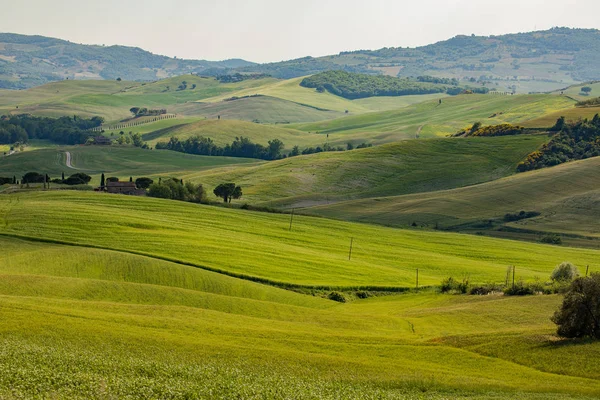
{"x": 260, "y": 246}
{"x": 405, "y": 167}
{"x": 292, "y": 91}
{"x": 566, "y": 196}
{"x": 129, "y": 326}
{"x": 225, "y": 131}
{"x": 111, "y": 99}
{"x": 262, "y": 109}
{"x": 122, "y": 162}
{"x": 432, "y": 119}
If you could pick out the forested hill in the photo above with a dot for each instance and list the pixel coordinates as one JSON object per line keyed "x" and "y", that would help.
{"x": 27, "y": 61}
{"x": 544, "y": 60}
{"x": 558, "y": 54}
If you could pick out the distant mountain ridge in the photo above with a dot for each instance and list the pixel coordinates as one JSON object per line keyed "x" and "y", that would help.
{"x": 559, "y": 55}
{"x": 27, "y": 61}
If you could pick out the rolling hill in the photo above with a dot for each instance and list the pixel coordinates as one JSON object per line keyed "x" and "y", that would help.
{"x": 565, "y": 196}
{"x": 134, "y": 326}
{"x": 121, "y": 162}
{"x": 27, "y": 61}
{"x": 528, "y": 62}
{"x": 404, "y": 167}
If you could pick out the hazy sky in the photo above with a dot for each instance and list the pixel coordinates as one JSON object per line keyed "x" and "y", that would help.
{"x": 274, "y": 30}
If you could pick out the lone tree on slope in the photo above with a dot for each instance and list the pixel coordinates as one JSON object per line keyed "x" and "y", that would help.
{"x": 228, "y": 191}
{"x": 579, "y": 314}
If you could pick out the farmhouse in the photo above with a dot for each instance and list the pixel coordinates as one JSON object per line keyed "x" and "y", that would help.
{"x": 128, "y": 188}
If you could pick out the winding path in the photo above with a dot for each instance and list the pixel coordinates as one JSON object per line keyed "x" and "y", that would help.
{"x": 68, "y": 162}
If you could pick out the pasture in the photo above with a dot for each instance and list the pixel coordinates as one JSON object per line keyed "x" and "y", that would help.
{"x": 259, "y": 246}
{"x": 406, "y": 167}
{"x": 89, "y": 322}
{"x": 121, "y": 162}
{"x": 565, "y": 196}
{"x": 432, "y": 119}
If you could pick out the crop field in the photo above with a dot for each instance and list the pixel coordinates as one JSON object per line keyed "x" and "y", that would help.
{"x": 431, "y": 119}
{"x": 400, "y": 168}
{"x": 287, "y": 100}
{"x": 225, "y": 131}
{"x": 110, "y": 99}
{"x": 97, "y": 320}
{"x": 565, "y": 196}
{"x": 292, "y": 91}
{"x": 121, "y": 162}
{"x": 260, "y": 246}
{"x": 259, "y": 109}
{"x": 570, "y": 114}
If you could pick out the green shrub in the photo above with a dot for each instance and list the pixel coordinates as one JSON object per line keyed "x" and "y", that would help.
{"x": 520, "y": 289}
{"x": 579, "y": 314}
{"x": 336, "y": 296}
{"x": 551, "y": 239}
{"x": 485, "y": 289}
{"x": 363, "y": 294}
{"x": 452, "y": 285}
{"x": 564, "y": 272}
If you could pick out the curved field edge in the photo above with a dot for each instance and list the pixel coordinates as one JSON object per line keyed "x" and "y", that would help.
{"x": 565, "y": 196}
{"x": 261, "y": 247}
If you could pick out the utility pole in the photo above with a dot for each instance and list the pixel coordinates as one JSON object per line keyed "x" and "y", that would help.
{"x": 513, "y": 276}
{"x": 350, "y": 253}
{"x": 417, "y": 278}
{"x": 292, "y": 219}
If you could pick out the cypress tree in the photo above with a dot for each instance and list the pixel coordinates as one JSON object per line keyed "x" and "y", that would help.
{"x": 102, "y": 182}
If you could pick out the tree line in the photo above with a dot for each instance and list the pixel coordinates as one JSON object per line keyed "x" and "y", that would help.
{"x": 63, "y": 130}
{"x": 240, "y": 147}
{"x": 244, "y": 147}
{"x": 356, "y": 86}
{"x": 573, "y": 141}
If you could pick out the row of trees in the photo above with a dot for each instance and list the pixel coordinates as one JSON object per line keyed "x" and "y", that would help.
{"x": 175, "y": 189}
{"x": 34, "y": 177}
{"x": 63, "y": 130}
{"x": 240, "y": 147}
{"x": 574, "y": 141}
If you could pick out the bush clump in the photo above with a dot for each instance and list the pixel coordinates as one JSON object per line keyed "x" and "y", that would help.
{"x": 485, "y": 289}
{"x": 551, "y": 239}
{"x": 453, "y": 285}
{"x": 579, "y": 314}
{"x": 337, "y": 296}
{"x": 564, "y": 272}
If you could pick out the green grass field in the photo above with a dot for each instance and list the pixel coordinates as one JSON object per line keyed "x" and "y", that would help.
{"x": 565, "y": 195}
{"x": 404, "y": 167}
{"x": 260, "y": 245}
{"x": 292, "y": 91}
{"x": 121, "y": 162}
{"x": 431, "y": 119}
{"x": 225, "y": 131}
{"x": 83, "y": 322}
{"x": 284, "y": 101}
{"x": 260, "y": 109}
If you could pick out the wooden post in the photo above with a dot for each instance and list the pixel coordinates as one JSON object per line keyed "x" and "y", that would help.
{"x": 587, "y": 269}
{"x": 417, "y": 278}
{"x": 291, "y": 219}
{"x": 350, "y": 253}
{"x": 513, "y": 276}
